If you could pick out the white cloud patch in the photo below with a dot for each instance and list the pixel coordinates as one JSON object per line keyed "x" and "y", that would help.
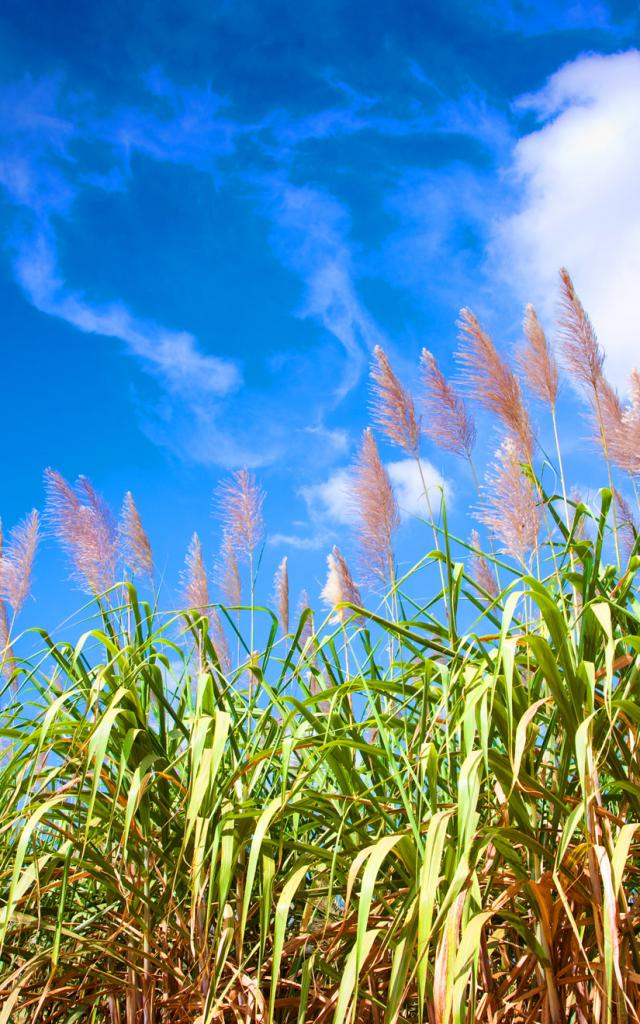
{"x": 409, "y": 486}
{"x": 332, "y": 500}
{"x": 578, "y": 200}
{"x": 299, "y": 542}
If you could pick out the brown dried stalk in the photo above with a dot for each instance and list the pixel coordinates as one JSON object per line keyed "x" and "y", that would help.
{"x": 281, "y": 587}
{"x": 479, "y": 568}
{"x": 82, "y": 523}
{"x": 16, "y": 562}
{"x": 194, "y": 578}
{"x": 510, "y": 509}
{"x": 626, "y": 524}
{"x": 493, "y": 383}
{"x": 133, "y": 541}
{"x": 375, "y": 504}
{"x": 392, "y": 407}
{"x": 240, "y": 502}
{"x": 446, "y": 420}
{"x": 340, "y": 587}
{"x": 581, "y": 350}
{"x": 537, "y": 361}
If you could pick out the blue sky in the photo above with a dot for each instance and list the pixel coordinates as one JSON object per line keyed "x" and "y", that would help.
{"x": 211, "y": 213}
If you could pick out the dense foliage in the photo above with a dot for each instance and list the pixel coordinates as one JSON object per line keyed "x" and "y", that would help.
{"x": 424, "y": 813}
{"x": 440, "y": 825}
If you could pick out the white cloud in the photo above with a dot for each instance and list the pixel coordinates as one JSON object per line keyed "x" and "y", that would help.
{"x": 579, "y": 201}
{"x": 293, "y": 540}
{"x": 331, "y": 499}
{"x": 409, "y": 486}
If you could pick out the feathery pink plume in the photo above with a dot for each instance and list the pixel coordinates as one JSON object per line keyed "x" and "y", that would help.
{"x": 510, "y": 510}
{"x": 626, "y": 524}
{"x": 16, "y": 562}
{"x": 194, "y": 579}
{"x": 634, "y": 388}
{"x": 617, "y": 428}
{"x": 446, "y": 420}
{"x": 375, "y": 503}
{"x": 537, "y": 361}
{"x": 229, "y": 574}
{"x": 82, "y": 523}
{"x": 340, "y": 587}
{"x": 6, "y": 652}
{"x": 240, "y": 501}
{"x": 281, "y": 589}
{"x": 480, "y": 570}
{"x": 581, "y": 350}
{"x": 392, "y": 407}
{"x": 493, "y": 383}
{"x": 134, "y": 543}
{"x": 219, "y": 640}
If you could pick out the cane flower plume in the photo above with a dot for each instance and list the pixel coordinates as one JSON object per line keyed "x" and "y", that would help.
{"x": 219, "y": 640}
{"x": 16, "y": 562}
{"x": 626, "y": 523}
{"x": 340, "y": 587}
{"x": 376, "y": 508}
{"x": 479, "y": 567}
{"x": 537, "y": 361}
{"x": 194, "y": 578}
{"x": 228, "y": 573}
{"x": 510, "y": 509}
{"x": 634, "y": 389}
{"x": 617, "y": 428}
{"x": 282, "y": 594}
{"x": 82, "y": 523}
{"x": 446, "y": 419}
{"x": 6, "y": 654}
{"x": 240, "y": 502}
{"x": 582, "y": 353}
{"x": 493, "y": 383}
{"x": 392, "y": 407}
{"x": 134, "y": 543}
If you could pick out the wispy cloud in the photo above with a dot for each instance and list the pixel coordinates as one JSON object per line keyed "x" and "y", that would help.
{"x": 530, "y": 18}
{"x": 300, "y": 542}
{"x": 173, "y": 356}
{"x": 181, "y": 125}
{"x": 442, "y": 215}
{"x": 40, "y": 124}
{"x": 310, "y": 234}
